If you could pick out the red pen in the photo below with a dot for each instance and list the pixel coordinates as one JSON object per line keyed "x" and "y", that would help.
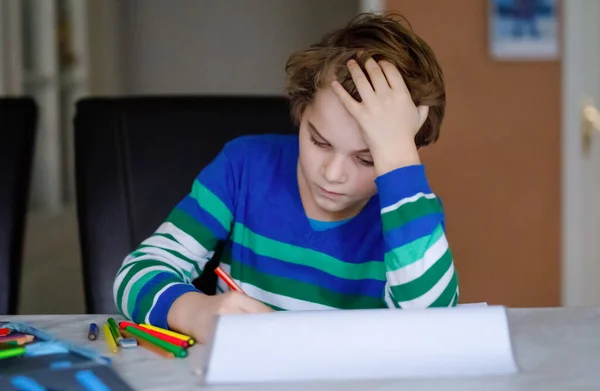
{"x": 228, "y": 280}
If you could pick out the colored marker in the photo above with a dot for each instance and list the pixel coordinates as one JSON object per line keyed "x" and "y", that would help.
{"x": 114, "y": 329}
{"x": 14, "y": 352}
{"x": 4, "y": 331}
{"x": 148, "y": 346}
{"x": 164, "y": 337}
{"x": 184, "y": 337}
{"x": 110, "y": 341}
{"x": 93, "y": 333}
{"x": 20, "y": 338}
{"x": 178, "y": 351}
{"x": 9, "y": 344}
{"x": 228, "y": 280}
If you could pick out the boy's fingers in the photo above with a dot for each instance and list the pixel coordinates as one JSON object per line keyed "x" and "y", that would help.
{"x": 393, "y": 76}
{"x": 360, "y": 80}
{"x": 251, "y": 305}
{"x": 347, "y": 100}
{"x": 378, "y": 79}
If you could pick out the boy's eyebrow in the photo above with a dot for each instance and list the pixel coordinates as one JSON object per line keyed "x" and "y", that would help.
{"x": 314, "y": 130}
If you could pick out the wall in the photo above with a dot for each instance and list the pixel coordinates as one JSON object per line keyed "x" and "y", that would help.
{"x": 220, "y": 47}
{"x": 106, "y": 25}
{"x": 497, "y": 164}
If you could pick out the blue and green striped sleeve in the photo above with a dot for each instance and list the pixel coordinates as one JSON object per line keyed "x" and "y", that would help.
{"x": 164, "y": 265}
{"x": 419, "y": 266}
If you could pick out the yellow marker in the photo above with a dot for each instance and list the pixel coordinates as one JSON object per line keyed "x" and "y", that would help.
{"x": 110, "y": 341}
{"x": 187, "y": 338}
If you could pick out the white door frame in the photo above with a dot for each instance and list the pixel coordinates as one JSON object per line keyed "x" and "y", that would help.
{"x": 580, "y": 25}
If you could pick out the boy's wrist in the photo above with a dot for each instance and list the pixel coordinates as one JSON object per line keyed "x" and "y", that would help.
{"x": 392, "y": 157}
{"x": 181, "y": 316}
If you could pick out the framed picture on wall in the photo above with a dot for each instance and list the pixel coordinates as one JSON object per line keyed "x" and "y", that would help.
{"x": 524, "y": 29}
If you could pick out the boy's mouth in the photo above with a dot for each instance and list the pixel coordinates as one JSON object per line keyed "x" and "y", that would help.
{"x": 329, "y": 193}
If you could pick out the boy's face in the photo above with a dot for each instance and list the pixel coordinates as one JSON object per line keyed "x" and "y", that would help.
{"x": 336, "y": 174}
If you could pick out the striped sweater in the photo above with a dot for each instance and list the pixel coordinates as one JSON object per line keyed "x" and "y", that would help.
{"x": 394, "y": 253}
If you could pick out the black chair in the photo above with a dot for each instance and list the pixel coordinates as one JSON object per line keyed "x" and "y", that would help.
{"x": 18, "y": 121}
{"x": 137, "y": 157}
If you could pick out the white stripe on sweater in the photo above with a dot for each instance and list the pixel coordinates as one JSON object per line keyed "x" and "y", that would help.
{"x": 185, "y": 239}
{"x": 432, "y": 295}
{"x": 159, "y": 254}
{"x": 126, "y": 292}
{"x": 169, "y": 244}
{"x": 387, "y": 297}
{"x": 416, "y": 269}
{"x": 284, "y": 302}
{"x": 155, "y": 300}
{"x": 407, "y": 200}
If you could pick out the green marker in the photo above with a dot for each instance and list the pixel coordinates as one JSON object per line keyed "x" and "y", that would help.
{"x": 178, "y": 351}
{"x": 114, "y": 329}
{"x": 14, "y": 352}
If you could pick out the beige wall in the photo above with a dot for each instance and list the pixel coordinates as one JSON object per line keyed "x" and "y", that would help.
{"x": 221, "y": 47}
{"x": 105, "y": 21}
{"x": 497, "y": 165}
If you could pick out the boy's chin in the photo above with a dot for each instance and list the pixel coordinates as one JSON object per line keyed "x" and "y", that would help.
{"x": 334, "y": 207}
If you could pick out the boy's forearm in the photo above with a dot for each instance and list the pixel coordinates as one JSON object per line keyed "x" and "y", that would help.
{"x": 163, "y": 267}
{"x": 420, "y": 269}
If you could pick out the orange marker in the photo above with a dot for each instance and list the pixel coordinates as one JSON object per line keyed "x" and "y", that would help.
{"x": 164, "y": 337}
{"x": 228, "y": 280}
{"x": 147, "y": 345}
{"x": 20, "y": 339}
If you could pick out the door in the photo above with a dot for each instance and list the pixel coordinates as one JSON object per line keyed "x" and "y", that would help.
{"x": 497, "y": 165}
{"x": 581, "y": 154}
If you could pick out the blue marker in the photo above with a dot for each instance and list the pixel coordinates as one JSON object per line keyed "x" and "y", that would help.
{"x": 93, "y": 333}
{"x": 23, "y": 383}
{"x": 90, "y": 381}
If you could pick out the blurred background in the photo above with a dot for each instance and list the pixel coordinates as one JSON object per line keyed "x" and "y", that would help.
{"x": 520, "y": 190}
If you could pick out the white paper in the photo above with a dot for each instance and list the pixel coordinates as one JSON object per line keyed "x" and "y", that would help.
{"x": 360, "y": 344}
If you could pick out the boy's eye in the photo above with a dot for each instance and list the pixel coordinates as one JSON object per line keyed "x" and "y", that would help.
{"x": 365, "y": 162}
{"x": 318, "y": 143}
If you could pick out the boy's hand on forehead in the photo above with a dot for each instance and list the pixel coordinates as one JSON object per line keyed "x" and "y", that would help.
{"x": 387, "y": 114}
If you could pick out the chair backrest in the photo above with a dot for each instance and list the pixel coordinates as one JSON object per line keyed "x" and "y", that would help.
{"x": 18, "y": 121}
{"x": 137, "y": 157}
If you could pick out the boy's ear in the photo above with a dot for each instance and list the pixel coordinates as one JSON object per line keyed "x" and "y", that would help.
{"x": 422, "y": 136}
{"x": 423, "y": 113}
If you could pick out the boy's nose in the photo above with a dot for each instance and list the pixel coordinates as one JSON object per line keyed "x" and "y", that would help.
{"x": 333, "y": 171}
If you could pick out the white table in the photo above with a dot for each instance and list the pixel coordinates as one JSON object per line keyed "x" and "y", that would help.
{"x": 556, "y": 349}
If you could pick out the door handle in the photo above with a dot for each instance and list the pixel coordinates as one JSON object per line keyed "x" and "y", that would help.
{"x": 590, "y": 117}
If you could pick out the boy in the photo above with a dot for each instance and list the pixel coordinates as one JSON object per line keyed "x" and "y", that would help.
{"x": 340, "y": 216}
